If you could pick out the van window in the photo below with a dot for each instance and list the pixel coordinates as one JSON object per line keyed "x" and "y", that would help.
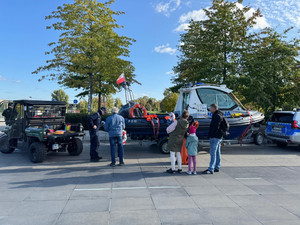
{"x": 282, "y": 117}
{"x": 212, "y": 96}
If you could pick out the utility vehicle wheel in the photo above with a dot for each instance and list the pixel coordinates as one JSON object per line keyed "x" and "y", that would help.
{"x": 37, "y": 152}
{"x": 282, "y": 144}
{"x": 163, "y": 146}
{"x": 259, "y": 138}
{"x": 75, "y": 147}
{"x": 5, "y": 145}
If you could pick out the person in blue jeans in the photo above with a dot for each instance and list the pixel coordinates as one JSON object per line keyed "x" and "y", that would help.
{"x": 215, "y": 139}
{"x": 114, "y": 125}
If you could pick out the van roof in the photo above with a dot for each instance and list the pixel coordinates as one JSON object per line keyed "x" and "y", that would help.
{"x": 39, "y": 102}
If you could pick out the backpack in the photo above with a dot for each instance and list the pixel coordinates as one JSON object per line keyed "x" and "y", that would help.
{"x": 225, "y": 127}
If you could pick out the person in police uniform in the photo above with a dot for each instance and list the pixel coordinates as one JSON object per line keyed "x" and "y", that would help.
{"x": 94, "y": 123}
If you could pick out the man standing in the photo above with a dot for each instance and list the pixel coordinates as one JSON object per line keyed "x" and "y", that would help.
{"x": 215, "y": 135}
{"x": 7, "y": 113}
{"x": 115, "y": 124}
{"x": 94, "y": 123}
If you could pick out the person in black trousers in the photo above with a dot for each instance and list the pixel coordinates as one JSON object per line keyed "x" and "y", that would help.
{"x": 94, "y": 122}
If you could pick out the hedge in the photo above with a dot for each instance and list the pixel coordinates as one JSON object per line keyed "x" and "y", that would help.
{"x": 82, "y": 118}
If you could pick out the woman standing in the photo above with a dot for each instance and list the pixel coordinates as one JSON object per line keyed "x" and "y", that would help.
{"x": 176, "y": 132}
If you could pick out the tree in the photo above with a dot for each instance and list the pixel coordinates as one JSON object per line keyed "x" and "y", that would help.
{"x": 271, "y": 75}
{"x": 118, "y": 103}
{"x": 169, "y": 101}
{"x": 82, "y": 106}
{"x": 89, "y": 55}
{"x": 60, "y": 95}
{"x": 212, "y": 48}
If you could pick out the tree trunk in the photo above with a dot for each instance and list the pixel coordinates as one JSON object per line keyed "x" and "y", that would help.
{"x": 90, "y": 93}
{"x": 99, "y": 101}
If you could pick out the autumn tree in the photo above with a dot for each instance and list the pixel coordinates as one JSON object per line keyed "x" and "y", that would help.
{"x": 169, "y": 101}
{"x": 89, "y": 54}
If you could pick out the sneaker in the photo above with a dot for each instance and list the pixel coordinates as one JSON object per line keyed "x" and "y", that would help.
{"x": 179, "y": 171}
{"x": 194, "y": 173}
{"x": 121, "y": 164}
{"x": 112, "y": 165}
{"x": 99, "y": 157}
{"x": 207, "y": 172}
{"x": 170, "y": 171}
{"x": 216, "y": 170}
{"x": 189, "y": 172}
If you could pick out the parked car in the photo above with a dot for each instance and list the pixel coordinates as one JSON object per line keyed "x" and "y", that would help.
{"x": 284, "y": 127}
{"x": 41, "y": 126}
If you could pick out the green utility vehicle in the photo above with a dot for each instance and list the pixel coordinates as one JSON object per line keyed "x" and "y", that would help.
{"x": 40, "y": 125}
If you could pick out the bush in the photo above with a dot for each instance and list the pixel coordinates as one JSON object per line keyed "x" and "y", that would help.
{"x": 82, "y": 118}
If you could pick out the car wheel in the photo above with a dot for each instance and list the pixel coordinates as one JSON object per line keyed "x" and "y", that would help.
{"x": 259, "y": 138}
{"x": 5, "y": 145}
{"x": 75, "y": 147}
{"x": 37, "y": 152}
{"x": 163, "y": 146}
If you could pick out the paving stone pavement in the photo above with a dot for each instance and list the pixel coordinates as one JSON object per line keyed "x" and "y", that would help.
{"x": 257, "y": 185}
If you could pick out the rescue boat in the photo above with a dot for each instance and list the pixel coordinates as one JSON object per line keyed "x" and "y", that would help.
{"x": 196, "y": 99}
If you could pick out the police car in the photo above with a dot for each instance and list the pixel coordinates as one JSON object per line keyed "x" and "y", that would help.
{"x": 284, "y": 127}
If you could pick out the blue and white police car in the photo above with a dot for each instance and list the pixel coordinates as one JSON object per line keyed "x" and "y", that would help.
{"x": 284, "y": 127}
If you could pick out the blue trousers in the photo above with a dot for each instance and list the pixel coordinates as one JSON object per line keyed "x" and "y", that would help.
{"x": 215, "y": 154}
{"x": 95, "y": 143}
{"x": 116, "y": 141}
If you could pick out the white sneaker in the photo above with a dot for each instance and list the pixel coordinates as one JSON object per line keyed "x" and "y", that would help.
{"x": 189, "y": 172}
{"x": 195, "y": 173}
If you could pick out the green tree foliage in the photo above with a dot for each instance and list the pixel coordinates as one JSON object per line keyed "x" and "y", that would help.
{"x": 118, "y": 103}
{"x": 151, "y": 104}
{"x": 60, "y": 95}
{"x": 169, "y": 101}
{"x": 89, "y": 54}
{"x": 262, "y": 67}
{"x": 211, "y": 49}
{"x": 82, "y": 106}
{"x": 271, "y": 75}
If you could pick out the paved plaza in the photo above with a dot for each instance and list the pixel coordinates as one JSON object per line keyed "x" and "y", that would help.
{"x": 257, "y": 185}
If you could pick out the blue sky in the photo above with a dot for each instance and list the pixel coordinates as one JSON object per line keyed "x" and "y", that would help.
{"x": 154, "y": 24}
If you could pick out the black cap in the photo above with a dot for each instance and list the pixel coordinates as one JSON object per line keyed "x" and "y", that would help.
{"x": 103, "y": 109}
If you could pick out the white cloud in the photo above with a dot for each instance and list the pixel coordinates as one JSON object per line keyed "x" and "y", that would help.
{"x": 199, "y": 15}
{"x": 283, "y": 12}
{"x": 18, "y": 81}
{"x": 2, "y": 78}
{"x": 170, "y": 72}
{"x": 167, "y": 7}
{"x": 165, "y": 49}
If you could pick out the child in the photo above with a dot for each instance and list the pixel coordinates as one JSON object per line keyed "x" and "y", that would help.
{"x": 172, "y": 118}
{"x": 192, "y": 149}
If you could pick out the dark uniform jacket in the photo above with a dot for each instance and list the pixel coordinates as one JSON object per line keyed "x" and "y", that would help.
{"x": 93, "y": 120}
{"x": 215, "y": 130}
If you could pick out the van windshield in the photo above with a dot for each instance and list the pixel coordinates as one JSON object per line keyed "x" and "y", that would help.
{"x": 282, "y": 117}
{"x": 212, "y": 96}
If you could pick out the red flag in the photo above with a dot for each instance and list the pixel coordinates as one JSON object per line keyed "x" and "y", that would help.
{"x": 121, "y": 79}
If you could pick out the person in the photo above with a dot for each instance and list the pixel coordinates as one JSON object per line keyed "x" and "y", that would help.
{"x": 7, "y": 113}
{"x": 172, "y": 118}
{"x": 192, "y": 149}
{"x": 215, "y": 139}
{"x": 176, "y": 132}
{"x": 114, "y": 125}
{"x": 94, "y": 124}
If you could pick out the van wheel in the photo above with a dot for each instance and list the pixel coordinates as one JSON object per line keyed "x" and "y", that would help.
{"x": 5, "y": 145}
{"x": 163, "y": 146}
{"x": 75, "y": 147}
{"x": 259, "y": 138}
{"x": 37, "y": 152}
